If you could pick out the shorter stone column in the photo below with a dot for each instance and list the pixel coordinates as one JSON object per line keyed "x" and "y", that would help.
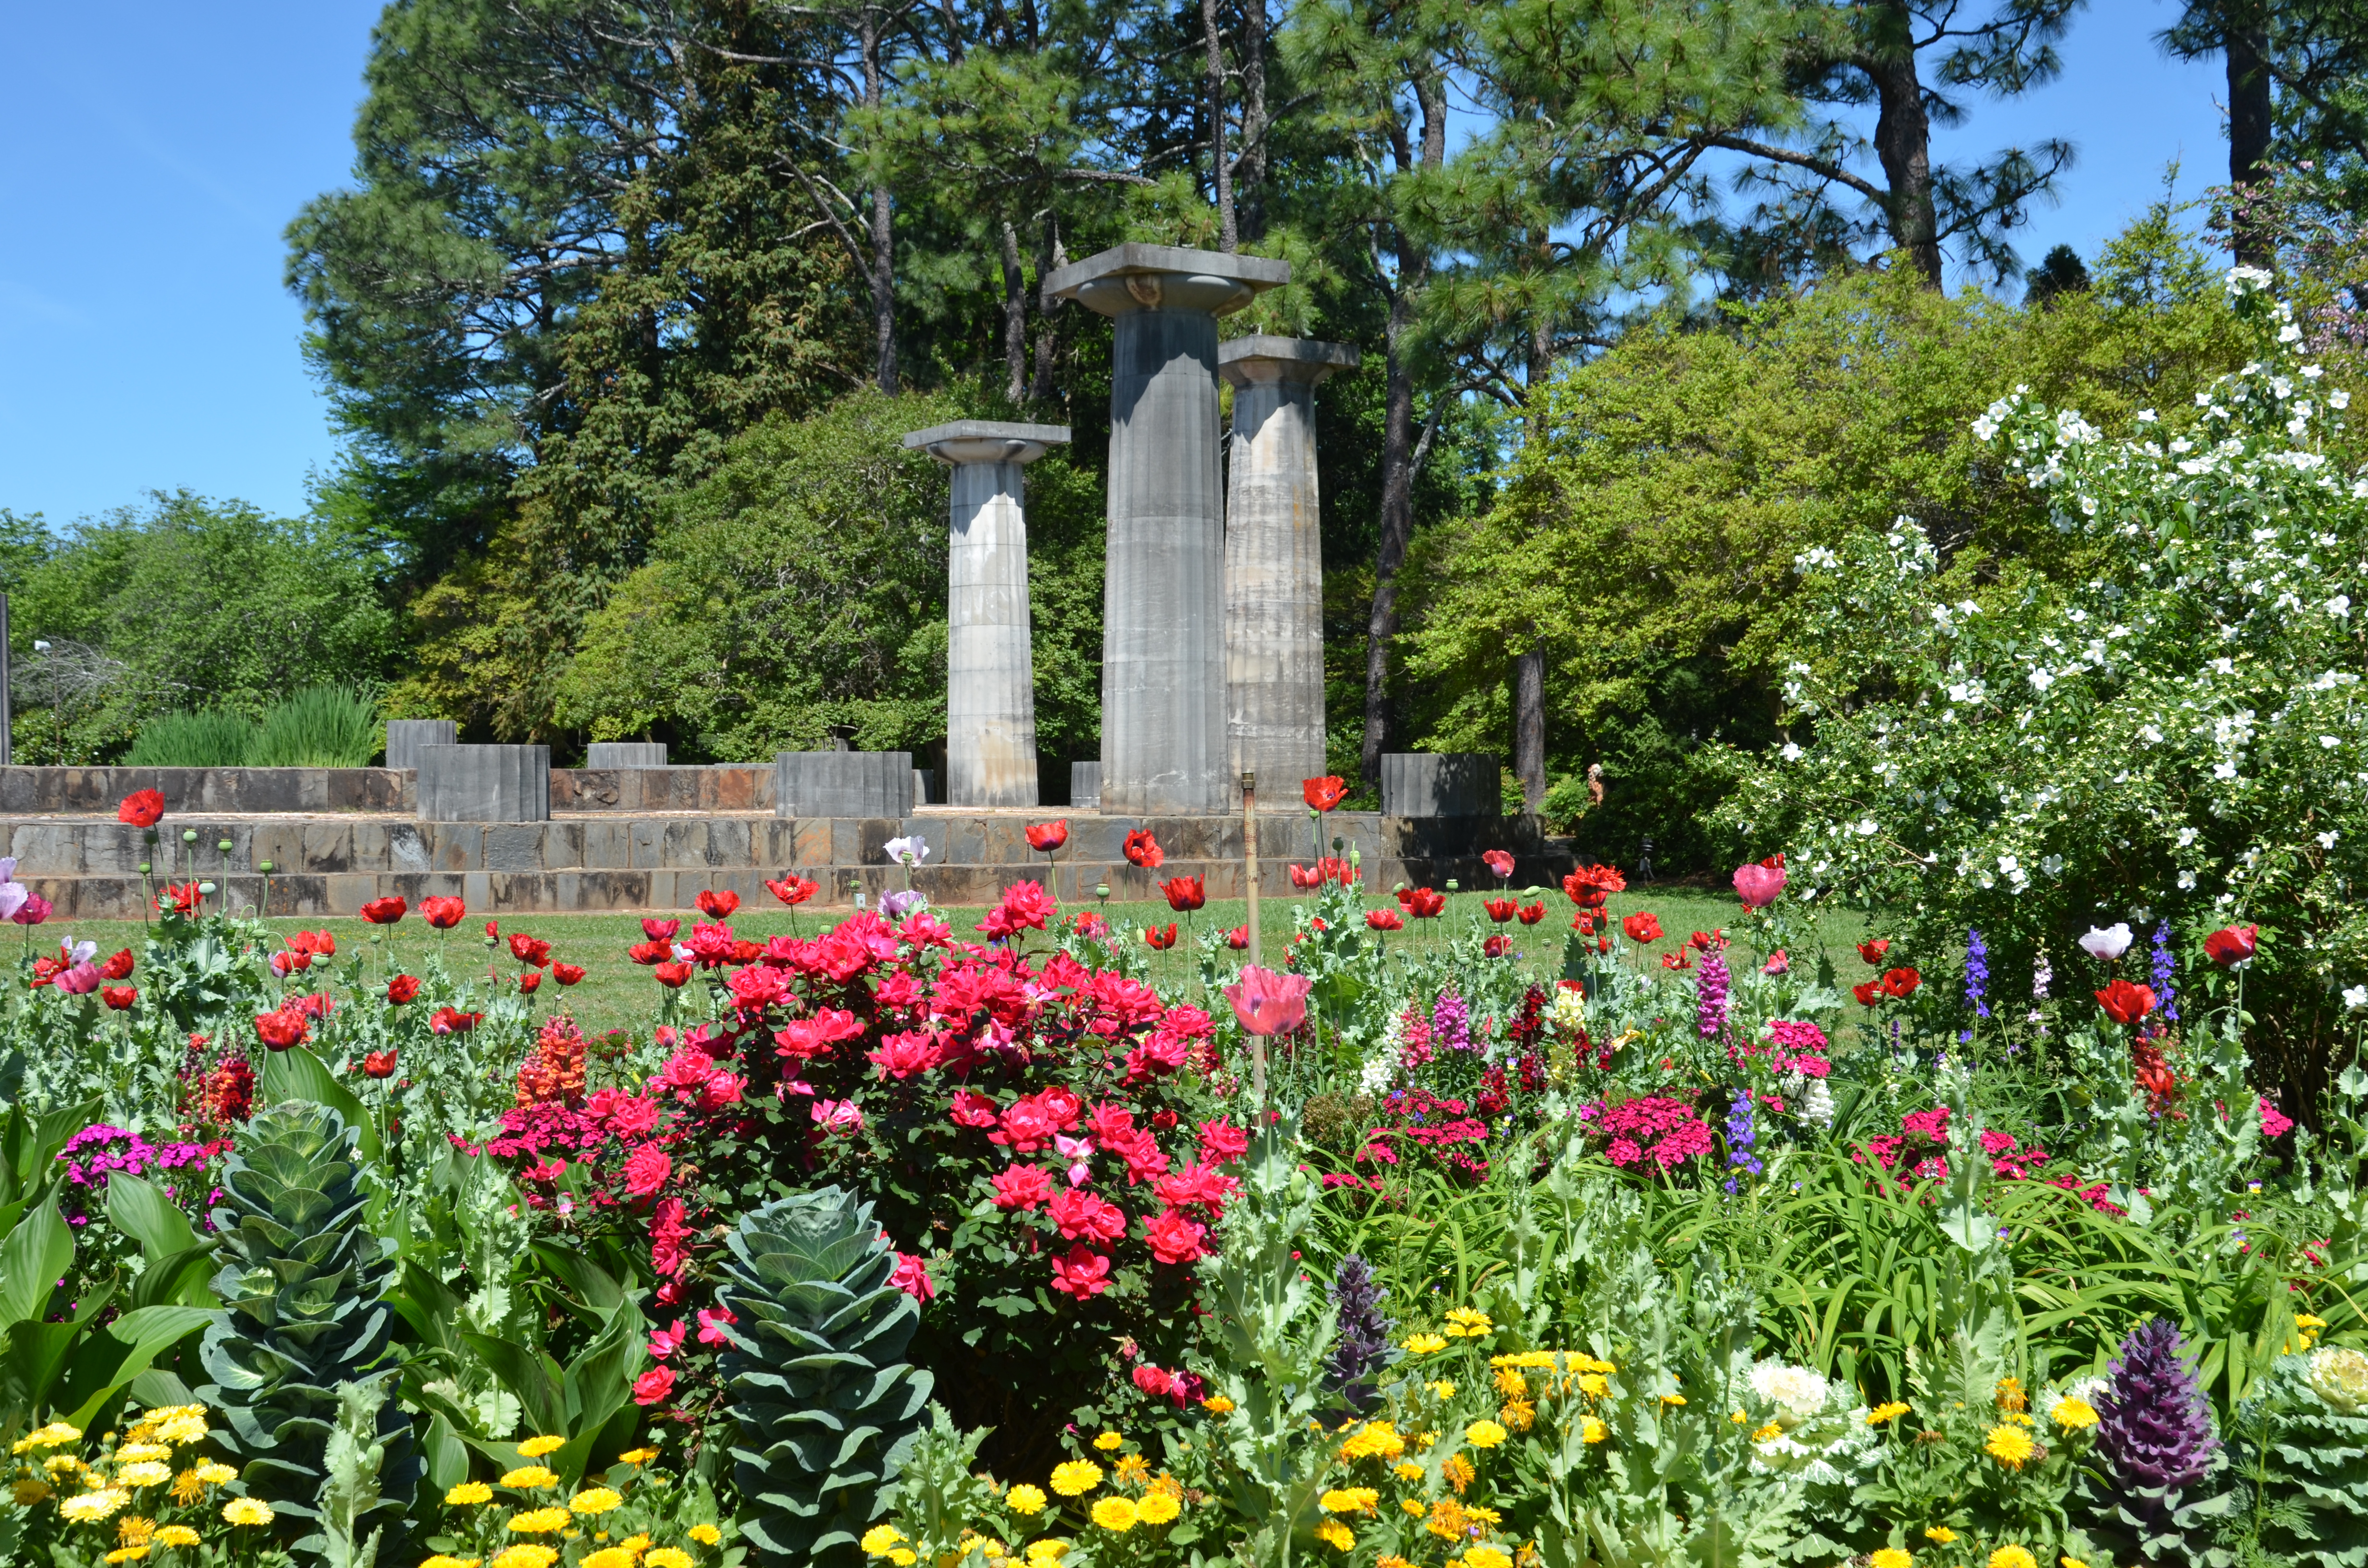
{"x": 1274, "y": 562}
{"x": 405, "y": 736}
{"x": 485, "y": 783}
{"x": 626, "y": 754}
{"x": 990, "y": 662}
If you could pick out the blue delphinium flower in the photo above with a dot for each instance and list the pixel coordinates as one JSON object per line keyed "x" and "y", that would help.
{"x": 2163, "y": 970}
{"x": 1741, "y": 1134}
{"x": 1978, "y": 977}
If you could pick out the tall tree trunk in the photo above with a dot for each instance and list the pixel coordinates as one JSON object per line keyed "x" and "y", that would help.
{"x": 2246, "y": 46}
{"x": 1222, "y": 173}
{"x": 1251, "y": 163}
{"x": 883, "y": 238}
{"x": 1529, "y": 727}
{"x": 1903, "y": 138}
{"x": 1050, "y": 258}
{"x": 1401, "y": 452}
{"x": 1015, "y": 318}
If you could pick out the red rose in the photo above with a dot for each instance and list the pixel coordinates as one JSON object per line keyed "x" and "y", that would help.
{"x": 402, "y": 989}
{"x": 646, "y": 1169}
{"x": 1082, "y": 1216}
{"x": 384, "y": 911}
{"x": 1184, "y": 894}
{"x": 1322, "y": 794}
{"x": 1020, "y": 1186}
{"x": 142, "y": 808}
{"x": 2232, "y": 944}
{"x": 1174, "y": 1238}
{"x": 717, "y": 904}
{"x": 119, "y": 998}
{"x": 652, "y": 1386}
{"x": 1083, "y": 1272}
{"x": 1046, "y": 837}
{"x": 443, "y": 913}
{"x": 566, "y": 973}
{"x": 378, "y": 1065}
{"x": 912, "y": 1277}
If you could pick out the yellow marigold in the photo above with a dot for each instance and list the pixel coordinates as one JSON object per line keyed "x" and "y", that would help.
{"x": 1458, "y": 1473}
{"x": 637, "y": 1456}
{"x": 706, "y": 1535}
{"x": 1483, "y": 1433}
{"x": 528, "y": 1477}
{"x": 1076, "y": 1477}
{"x": 662, "y": 1557}
{"x": 1940, "y": 1535}
{"x": 1518, "y": 1415}
{"x": 128, "y": 1553}
{"x": 527, "y": 1554}
{"x": 1349, "y": 1500}
{"x": 2073, "y": 1414}
{"x": 216, "y": 1474}
{"x": 135, "y": 1529}
{"x": 148, "y": 1472}
{"x": 1419, "y": 1344}
{"x": 89, "y": 1507}
{"x": 1486, "y": 1557}
{"x": 1890, "y": 1410}
{"x": 1216, "y": 1404}
{"x": 1115, "y": 1515}
{"x": 1468, "y": 1322}
{"x": 2013, "y": 1557}
{"x": 142, "y": 1453}
{"x": 1025, "y": 1499}
{"x": 1109, "y": 1442}
{"x": 1158, "y": 1507}
{"x": 606, "y": 1557}
{"x": 1441, "y": 1389}
{"x": 594, "y": 1500}
{"x": 254, "y": 1511}
{"x": 1767, "y": 1434}
{"x": 1593, "y": 1431}
{"x": 469, "y": 1493}
{"x": 1130, "y": 1468}
{"x": 1335, "y": 1534}
{"x": 1889, "y": 1557}
{"x": 176, "y": 1536}
{"x": 1042, "y": 1554}
{"x": 1511, "y": 1384}
{"x": 2009, "y": 1395}
{"x": 538, "y": 1521}
{"x": 2011, "y": 1446}
{"x": 879, "y": 1538}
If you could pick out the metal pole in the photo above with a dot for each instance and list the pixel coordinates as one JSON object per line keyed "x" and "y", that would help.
{"x": 1250, "y": 876}
{"x": 8, "y": 712}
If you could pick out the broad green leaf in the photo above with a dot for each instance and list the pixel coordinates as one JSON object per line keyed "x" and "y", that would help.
{"x": 32, "y": 1260}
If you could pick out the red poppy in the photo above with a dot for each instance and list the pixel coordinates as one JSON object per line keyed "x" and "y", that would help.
{"x": 2125, "y": 1003}
{"x": 1867, "y": 991}
{"x": 117, "y": 968}
{"x": 402, "y": 989}
{"x": 1583, "y": 922}
{"x": 184, "y": 899}
{"x": 280, "y": 1029}
{"x": 1238, "y": 938}
{"x": 793, "y": 890}
{"x": 1501, "y": 909}
{"x": 378, "y": 1065}
{"x": 1386, "y": 920}
{"x": 1641, "y": 926}
{"x": 1534, "y": 912}
{"x": 717, "y": 904}
{"x": 1703, "y": 941}
{"x": 493, "y": 930}
{"x": 672, "y": 975}
{"x": 1185, "y": 894}
{"x": 1422, "y": 902}
{"x": 566, "y": 973}
{"x": 1323, "y": 794}
{"x": 1143, "y": 849}
{"x": 2232, "y": 944}
{"x": 320, "y": 944}
{"x": 1681, "y": 960}
{"x": 1496, "y": 947}
{"x": 290, "y": 962}
{"x": 452, "y": 1020}
{"x": 443, "y": 913}
{"x": 1901, "y": 984}
{"x": 1874, "y": 948}
{"x": 530, "y": 950}
{"x": 119, "y": 998}
{"x": 1590, "y": 885}
{"x": 142, "y": 808}
{"x": 1161, "y": 939}
{"x": 646, "y": 953}
{"x": 1046, "y": 837}
{"x": 529, "y": 981}
{"x": 384, "y": 911}
{"x": 1498, "y": 861}
{"x": 659, "y": 930}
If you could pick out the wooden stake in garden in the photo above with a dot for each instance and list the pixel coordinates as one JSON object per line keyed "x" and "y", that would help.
{"x": 1250, "y": 883}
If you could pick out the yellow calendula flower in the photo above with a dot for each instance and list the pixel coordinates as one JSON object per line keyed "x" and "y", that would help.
{"x": 1468, "y": 1322}
{"x": 1458, "y": 1471}
{"x": 469, "y": 1493}
{"x": 637, "y": 1456}
{"x": 1406, "y": 1470}
{"x": 91, "y": 1507}
{"x": 606, "y": 1557}
{"x": 637, "y": 1544}
{"x": 1448, "y": 1521}
{"x": 1518, "y": 1415}
{"x": 664, "y": 1557}
{"x": 176, "y": 1536}
{"x": 1375, "y": 1439}
{"x": 142, "y": 1453}
{"x": 1511, "y": 1384}
{"x": 62, "y": 1464}
{"x": 29, "y": 1489}
{"x": 1767, "y": 1434}
{"x": 526, "y": 1554}
{"x": 56, "y": 1435}
{"x": 594, "y": 1500}
{"x": 1216, "y": 1404}
{"x": 126, "y": 1553}
{"x": 1592, "y": 1384}
{"x": 1042, "y": 1554}
{"x": 1483, "y": 1433}
{"x": 1486, "y": 1557}
{"x": 1440, "y": 1389}
{"x": 134, "y": 1531}
{"x": 1391, "y": 1560}
{"x": 2308, "y": 1326}
{"x": 1425, "y": 1344}
{"x": 1025, "y": 1499}
{"x": 1673, "y": 1399}
{"x": 252, "y": 1511}
{"x": 706, "y": 1535}
{"x": 2013, "y": 1557}
{"x": 529, "y": 1478}
{"x": 1158, "y": 1507}
{"x": 1486, "y": 1515}
{"x": 146, "y": 1473}
{"x": 880, "y": 1539}
{"x": 2070, "y": 1562}
{"x": 1349, "y": 1500}
{"x": 1109, "y": 1442}
{"x": 182, "y": 1428}
{"x": 1593, "y": 1431}
{"x": 2073, "y": 1414}
{"x": 187, "y": 1487}
{"x": 1115, "y": 1515}
{"x": 903, "y": 1557}
{"x": 1411, "y": 1506}
{"x": 1076, "y": 1477}
{"x": 535, "y": 1448}
{"x": 1891, "y": 1411}
{"x": 1335, "y": 1534}
{"x": 1940, "y": 1535}
{"x": 1890, "y": 1557}
{"x": 1130, "y": 1468}
{"x": 538, "y": 1521}
{"x": 2011, "y": 1446}
{"x": 2009, "y": 1395}
{"x": 217, "y": 1474}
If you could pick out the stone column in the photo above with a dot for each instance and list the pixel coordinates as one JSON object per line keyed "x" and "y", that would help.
{"x": 990, "y": 666}
{"x": 1274, "y": 562}
{"x": 1163, "y": 597}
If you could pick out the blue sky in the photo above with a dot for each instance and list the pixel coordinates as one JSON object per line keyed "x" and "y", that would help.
{"x": 157, "y": 151}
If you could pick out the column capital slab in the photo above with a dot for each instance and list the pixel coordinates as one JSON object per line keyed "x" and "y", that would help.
{"x": 987, "y": 441}
{"x": 1263, "y": 358}
{"x": 1131, "y": 278}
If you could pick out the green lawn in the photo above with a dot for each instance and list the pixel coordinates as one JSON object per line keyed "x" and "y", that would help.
{"x": 617, "y": 993}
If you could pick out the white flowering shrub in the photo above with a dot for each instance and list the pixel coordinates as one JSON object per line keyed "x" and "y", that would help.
{"x": 2175, "y": 735}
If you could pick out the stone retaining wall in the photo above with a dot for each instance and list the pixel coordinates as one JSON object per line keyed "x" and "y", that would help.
{"x": 97, "y": 792}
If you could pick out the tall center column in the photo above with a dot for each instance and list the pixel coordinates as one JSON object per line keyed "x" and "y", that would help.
{"x": 1164, "y": 750}
{"x": 990, "y": 663}
{"x": 1274, "y": 561}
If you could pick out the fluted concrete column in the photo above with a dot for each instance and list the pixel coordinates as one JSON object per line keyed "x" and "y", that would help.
{"x": 1163, "y": 598}
{"x": 990, "y": 666}
{"x": 1274, "y": 562}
